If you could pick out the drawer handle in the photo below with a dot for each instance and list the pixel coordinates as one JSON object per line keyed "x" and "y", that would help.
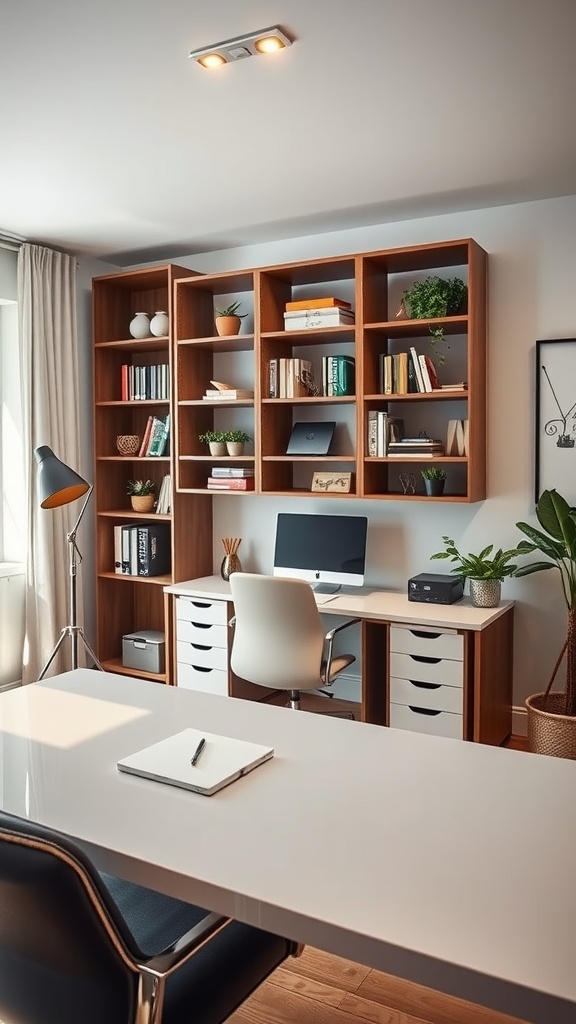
{"x": 424, "y": 711}
{"x": 201, "y": 668}
{"x": 201, "y": 625}
{"x": 425, "y": 636}
{"x": 425, "y": 686}
{"x": 201, "y": 647}
{"x": 427, "y": 661}
{"x": 200, "y": 604}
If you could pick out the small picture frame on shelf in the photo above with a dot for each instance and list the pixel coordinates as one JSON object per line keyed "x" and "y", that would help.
{"x": 334, "y": 483}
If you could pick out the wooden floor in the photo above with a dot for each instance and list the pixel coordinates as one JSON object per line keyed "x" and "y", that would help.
{"x": 317, "y": 988}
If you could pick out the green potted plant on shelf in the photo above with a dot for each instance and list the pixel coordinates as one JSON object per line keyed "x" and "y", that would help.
{"x": 434, "y": 298}
{"x": 485, "y": 571}
{"x": 216, "y": 441}
{"x": 235, "y": 441}
{"x": 552, "y": 716}
{"x": 434, "y": 478}
{"x": 229, "y": 319}
{"x": 142, "y": 495}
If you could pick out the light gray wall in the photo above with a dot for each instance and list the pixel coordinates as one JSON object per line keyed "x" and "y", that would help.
{"x": 532, "y": 250}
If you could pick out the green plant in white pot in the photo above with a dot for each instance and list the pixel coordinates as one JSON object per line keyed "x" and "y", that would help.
{"x": 485, "y": 571}
{"x": 552, "y": 716}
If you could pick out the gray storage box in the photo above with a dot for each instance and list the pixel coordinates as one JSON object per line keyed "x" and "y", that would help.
{"x": 144, "y": 650}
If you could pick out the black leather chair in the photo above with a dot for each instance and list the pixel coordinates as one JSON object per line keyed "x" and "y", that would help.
{"x": 80, "y": 947}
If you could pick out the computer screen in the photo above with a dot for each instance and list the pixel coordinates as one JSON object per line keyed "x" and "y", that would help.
{"x": 326, "y": 551}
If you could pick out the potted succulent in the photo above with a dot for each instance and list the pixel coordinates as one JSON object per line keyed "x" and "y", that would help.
{"x": 552, "y": 716}
{"x": 433, "y": 298}
{"x": 142, "y": 495}
{"x": 434, "y": 479}
{"x": 235, "y": 441}
{"x": 228, "y": 320}
{"x": 485, "y": 571}
{"x": 216, "y": 441}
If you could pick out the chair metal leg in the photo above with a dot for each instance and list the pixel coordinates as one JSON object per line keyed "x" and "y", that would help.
{"x": 295, "y": 700}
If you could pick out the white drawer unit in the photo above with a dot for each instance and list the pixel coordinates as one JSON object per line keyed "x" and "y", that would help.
{"x": 434, "y": 723}
{"x": 201, "y": 655}
{"x": 427, "y": 670}
{"x": 196, "y": 609}
{"x": 207, "y": 680}
{"x": 426, "y": 643}
{"x": 431, "y": 696}
{"x": 208, "y": 634}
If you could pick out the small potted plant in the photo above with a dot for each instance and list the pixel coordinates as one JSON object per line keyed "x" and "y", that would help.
{"x": 434, "y": 478}
{"x": 142, "y": 495}
{"x": 216, "y": 441}
{"x": 434, "y": 298}
{"x": 228, "y": 320}
{"x": 484, "y": 571}
{"x": 235, "y": 441}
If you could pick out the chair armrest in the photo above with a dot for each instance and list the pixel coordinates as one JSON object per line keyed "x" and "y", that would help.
{"x": 329, "y": 640}
{"x": 175, "y": 955}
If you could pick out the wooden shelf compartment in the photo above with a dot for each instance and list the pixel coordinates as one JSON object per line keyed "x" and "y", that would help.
{"x": 108, "y": 362}
{"x": 197, "y": 299}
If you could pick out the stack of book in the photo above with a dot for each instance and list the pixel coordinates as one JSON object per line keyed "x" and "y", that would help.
{"x": 383, "y": 430}
{"x": 227, "y": 394}
{"x": 328, "y": 311}
{"x": 230, "y": 478}
{"x": 338, "y": 375}
{"x": 142, "y": 550}
{"x": 415, "y": 448}
{"x": 156, "y": 435}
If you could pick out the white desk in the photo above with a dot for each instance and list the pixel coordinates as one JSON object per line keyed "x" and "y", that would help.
{"x": 487, "y": 649}
{"x": 452, "y": 868}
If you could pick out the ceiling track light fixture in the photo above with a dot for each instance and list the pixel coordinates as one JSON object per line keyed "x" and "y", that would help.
{"x": 267, "y": 40}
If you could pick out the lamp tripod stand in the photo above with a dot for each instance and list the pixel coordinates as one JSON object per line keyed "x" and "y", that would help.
{"x": 73, "y": 630}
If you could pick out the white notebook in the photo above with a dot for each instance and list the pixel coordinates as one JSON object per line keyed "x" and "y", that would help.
{"x": 222, "y": 760}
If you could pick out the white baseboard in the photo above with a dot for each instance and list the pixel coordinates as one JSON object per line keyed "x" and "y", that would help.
{"x": 519, "y": 721}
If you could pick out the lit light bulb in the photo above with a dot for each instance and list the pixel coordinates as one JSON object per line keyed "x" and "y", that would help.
{"x": 211, "y": 60}
{"x": 268, "y": 44}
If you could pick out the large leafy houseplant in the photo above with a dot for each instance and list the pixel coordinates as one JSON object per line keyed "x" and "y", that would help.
{"x": 484, "y": 566}
{"x": 557, "y": 541}
{"x": 433, "y": 298}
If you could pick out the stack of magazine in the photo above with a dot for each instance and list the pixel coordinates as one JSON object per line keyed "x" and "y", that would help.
{"x": 230, "y": 478}
{"x": 415, "y": 448}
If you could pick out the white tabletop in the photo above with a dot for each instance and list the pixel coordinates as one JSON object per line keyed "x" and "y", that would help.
{"x": 448, "y": 863}
{"x": 368, "y": 603}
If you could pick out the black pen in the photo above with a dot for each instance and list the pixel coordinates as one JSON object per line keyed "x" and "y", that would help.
{"x": 197, "y": 752}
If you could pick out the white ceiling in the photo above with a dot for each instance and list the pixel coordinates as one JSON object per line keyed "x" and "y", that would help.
{"x": 115, "y": 145}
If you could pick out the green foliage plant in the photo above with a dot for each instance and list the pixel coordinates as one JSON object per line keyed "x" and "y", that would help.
{"x": 433, "y": 298}
{"x": 484, "y": 566}
{"x": 232, "y": 310}
{"x": 139, "y": 488}
{"x": 433, "y": 473}
{"x": 210, "y": 436}
{"x": 237, "y": 436}
{"x": 557, "y": 541}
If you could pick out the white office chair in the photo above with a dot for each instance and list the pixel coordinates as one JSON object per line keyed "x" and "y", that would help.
{"x": 279, "y": 640}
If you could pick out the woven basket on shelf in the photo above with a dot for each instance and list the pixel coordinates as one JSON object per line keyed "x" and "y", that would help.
{"x": 128, "y": 444}
{"x": 550, "y": 731}
{"x": 142, "y": 502}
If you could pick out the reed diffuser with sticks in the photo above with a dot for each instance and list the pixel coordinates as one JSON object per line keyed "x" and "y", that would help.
{"x": 231, "y": 562}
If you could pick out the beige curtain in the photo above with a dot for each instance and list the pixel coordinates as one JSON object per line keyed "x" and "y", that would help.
{"x": 48, "y": 338}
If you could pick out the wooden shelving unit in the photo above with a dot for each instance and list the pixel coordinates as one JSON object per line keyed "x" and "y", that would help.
{"x": 373, "y": 283}
{"x": 127, "y": 604}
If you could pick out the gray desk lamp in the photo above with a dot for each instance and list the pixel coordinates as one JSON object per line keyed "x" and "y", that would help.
{"x": 59, "y": 485}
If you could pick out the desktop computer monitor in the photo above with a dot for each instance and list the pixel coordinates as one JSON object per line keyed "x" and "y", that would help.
{"x": 326, "y": 551}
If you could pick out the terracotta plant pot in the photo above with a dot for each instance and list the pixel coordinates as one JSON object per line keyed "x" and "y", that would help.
{"x": 227, "y": 325}
{"x": 142, "y": 502}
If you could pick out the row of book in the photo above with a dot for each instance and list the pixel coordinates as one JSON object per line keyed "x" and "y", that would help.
{"x": 145, "y": 383}
{"x": 327, "y": 311}
{"x": 156, "y": 436}
{"x": 164, "y": 502}
{"x": 404, "y": 373}
{"x": 231, "y": 478}
{"x": 142, "y": 550}
{"x": 382, "y": 431}
{"x": 290, "y": 378}
{"x": 338, "y": 376}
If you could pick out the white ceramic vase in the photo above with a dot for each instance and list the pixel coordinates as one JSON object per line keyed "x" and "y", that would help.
{"x": 140, "y": 326}
{"x": 159, "y": 324}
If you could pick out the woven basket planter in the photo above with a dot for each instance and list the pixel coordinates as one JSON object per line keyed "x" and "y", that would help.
{"x": 549, "y": 730}
{"x": 142, "y": 502}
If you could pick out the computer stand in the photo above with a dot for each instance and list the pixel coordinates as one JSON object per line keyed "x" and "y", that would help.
{"x": 327, "y": 588}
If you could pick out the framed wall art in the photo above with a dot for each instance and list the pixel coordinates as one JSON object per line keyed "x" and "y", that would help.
{"x": 555, "y": 446}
